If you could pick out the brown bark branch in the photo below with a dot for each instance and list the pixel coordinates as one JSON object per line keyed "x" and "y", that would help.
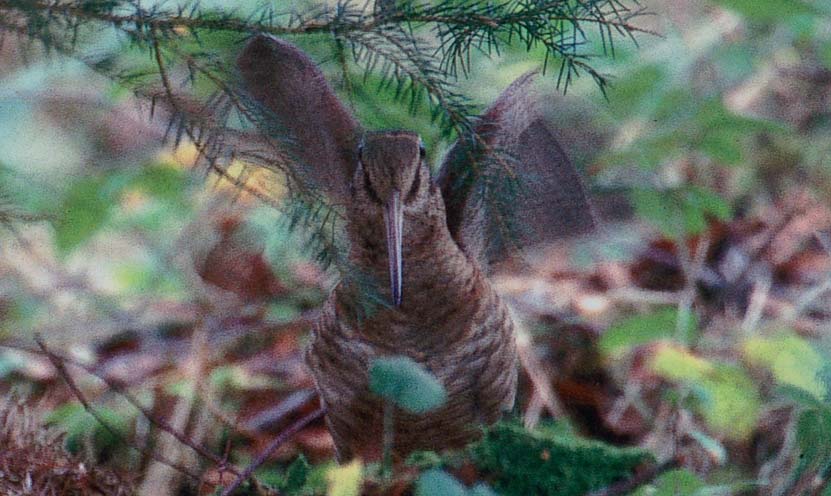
{"x": 278, "y": 441}
{"x": 59, "y": 365}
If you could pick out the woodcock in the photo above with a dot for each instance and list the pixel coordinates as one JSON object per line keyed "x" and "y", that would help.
{"x": 426, "y": 240}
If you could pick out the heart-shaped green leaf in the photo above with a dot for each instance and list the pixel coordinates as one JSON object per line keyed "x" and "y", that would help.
{"x": 406, "y": 383}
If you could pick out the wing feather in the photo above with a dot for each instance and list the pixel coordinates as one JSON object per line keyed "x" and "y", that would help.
{"x": 513, "y": 185}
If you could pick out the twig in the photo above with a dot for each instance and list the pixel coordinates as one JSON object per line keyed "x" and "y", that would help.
{"x": 159, "y": 478}
{"x": 632, "y": 294}
{"x": 266, "y": 453}
{"x": 539, "y": 378}
{"x": 533, "y": 411}
{"x": 389, "y": 439}
{"x": 59, "y": 361}
{"x": 628, "y": 485}
{"x": 692, "y": 267}
{"x": 807, "y": 298}
{"x": 755, "y": 309}
{"x": 779, "y": 464}
{"x": 64, "y": 373}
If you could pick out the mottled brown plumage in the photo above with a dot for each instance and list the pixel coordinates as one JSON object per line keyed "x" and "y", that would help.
{"x": 428, "y": 263}
{"x": 450, "y": 320}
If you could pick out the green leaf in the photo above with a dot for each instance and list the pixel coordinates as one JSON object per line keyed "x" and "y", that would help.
{"x": 825, "y": 54}
{"x": 813, "y": 434}
{"x": 722, "y": 146}
{"x": 676, "y": 102}
{"x": 296, "y": 475}
{"x": 406, "y": 383}
{"x": 791, "y": 359}
{"x": 698, "y": 206}
{"x": 80, "y": 425}
{"x": 282, "y": 312}
{"x": 726, "y": 396}
{"x": 714, "y": 117}
{"x": 85, "y": 208}
{"x": 636, "y": 89}
{"x": 162, "y": 181}
{"x": 709, "y": 203}
{"x": 679, "y": 365}
{"x": 733, "y": 409}
{"x": 801, "y": 397}
{"x": 133, "y": 276}
{"x": 770, "y": 11}
{"x": 645, "y": 329}
{"x": 657, "y": 208}
{"x": 437, "y": 482}
{"x": 679, "y": 482}
{"x": 680, "y": 212}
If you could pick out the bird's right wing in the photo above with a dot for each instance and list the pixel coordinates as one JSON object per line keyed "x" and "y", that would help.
{"x": 513, "y": 186}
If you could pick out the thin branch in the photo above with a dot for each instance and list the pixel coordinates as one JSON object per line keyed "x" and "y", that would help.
{"x": 271, "y": 448}
{"x": 58, "y": 363}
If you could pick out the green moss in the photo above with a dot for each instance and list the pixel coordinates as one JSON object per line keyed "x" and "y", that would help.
{"x": 550, "y": 462}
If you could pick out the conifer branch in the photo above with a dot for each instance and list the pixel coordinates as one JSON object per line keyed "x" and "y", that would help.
{"x": 392, "y": 42}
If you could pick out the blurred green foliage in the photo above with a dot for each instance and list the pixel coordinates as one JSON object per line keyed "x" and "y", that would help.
{"x": 646, "y": 328}
{"x": 813, "y": 427}
{"x": 672, "y": 105}
{"x": 682, "y": 211}
{"x": 83, "y": 431}
{"x": 548, "y": 461}
{"x": 772, "y": 12}
{"x": 678, "y": 482}
{"x": 791, "y": 359}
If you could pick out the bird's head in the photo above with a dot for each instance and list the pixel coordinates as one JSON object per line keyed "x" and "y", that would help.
{"x": 392, "y": 173}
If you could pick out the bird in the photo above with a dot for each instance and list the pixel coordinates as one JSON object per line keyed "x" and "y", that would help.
{"x": 425, "y": 241}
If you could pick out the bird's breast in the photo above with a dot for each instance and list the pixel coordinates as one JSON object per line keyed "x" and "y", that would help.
{"x": 450, "y": 320}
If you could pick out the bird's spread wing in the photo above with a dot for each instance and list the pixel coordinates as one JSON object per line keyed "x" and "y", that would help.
{"x": 298, "y": 102}
{"x": 513, "y": 186}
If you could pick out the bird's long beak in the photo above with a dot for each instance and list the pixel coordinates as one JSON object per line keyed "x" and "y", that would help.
{"x": 394, "y": 220}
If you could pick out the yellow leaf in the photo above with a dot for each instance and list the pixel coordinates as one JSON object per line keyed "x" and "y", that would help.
{"x": 183, "y": 156}
{"x": 678, "y": 364}
{"x": 345, "y": 480}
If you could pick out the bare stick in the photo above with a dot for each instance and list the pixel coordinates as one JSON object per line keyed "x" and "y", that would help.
{"x": 539, "y": 378}
{"x": 64, "y": 373}
{"x": 389, "y": 438}
{"x": 59, "y": 361}
{"x": 692, "y": 268}
{"x": 279, "y": 441}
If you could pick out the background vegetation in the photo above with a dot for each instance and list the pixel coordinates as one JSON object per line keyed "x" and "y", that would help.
{"x": 147, "y": 291}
